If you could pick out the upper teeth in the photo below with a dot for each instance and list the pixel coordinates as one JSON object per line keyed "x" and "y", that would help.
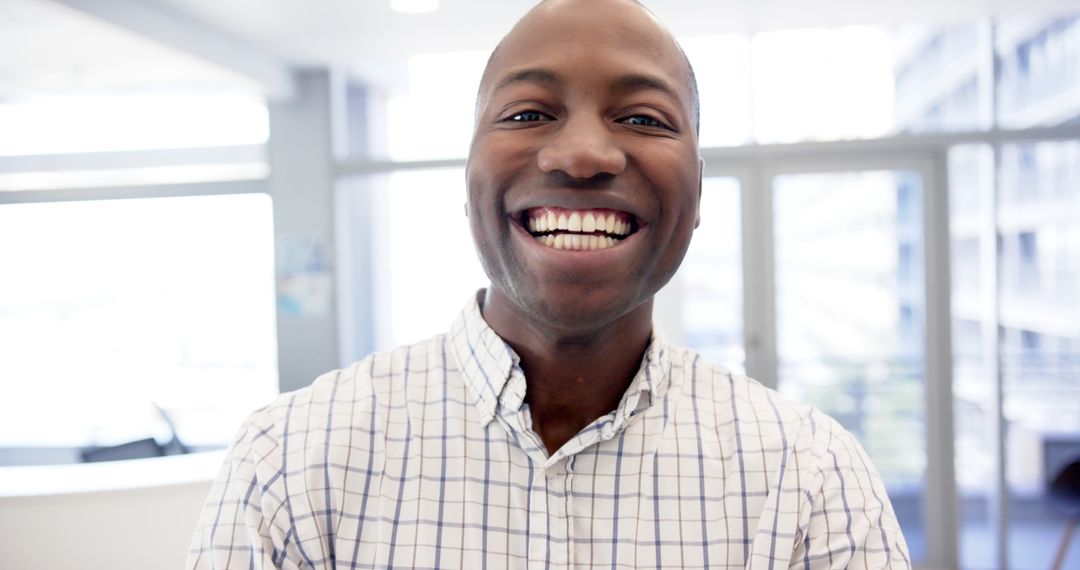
{"x": 585, "y": 221}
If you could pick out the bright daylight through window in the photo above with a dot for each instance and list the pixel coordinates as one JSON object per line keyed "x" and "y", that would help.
{"x": 113, "y": 308}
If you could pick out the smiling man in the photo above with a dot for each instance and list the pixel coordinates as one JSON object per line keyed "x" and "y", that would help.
{"x": 583, "y": 179}
{"x": 553, "y": 426}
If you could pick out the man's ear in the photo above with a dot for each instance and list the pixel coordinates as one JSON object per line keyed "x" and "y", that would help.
{"x": 700, "y": 178}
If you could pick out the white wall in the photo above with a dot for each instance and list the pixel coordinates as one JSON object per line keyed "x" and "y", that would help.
{"x": 139, "y": 527}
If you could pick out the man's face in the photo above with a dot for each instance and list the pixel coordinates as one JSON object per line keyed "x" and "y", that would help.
{"x": 584, "y": 174}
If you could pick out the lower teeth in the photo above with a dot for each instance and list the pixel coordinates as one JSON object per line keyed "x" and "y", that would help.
{"x": 576, "y": 242}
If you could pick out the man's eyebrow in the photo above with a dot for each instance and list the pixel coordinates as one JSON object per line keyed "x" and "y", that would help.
{"x": 533, "y": 75}
{"x": 640, "y": 82}
{"x": 629, "y": 82}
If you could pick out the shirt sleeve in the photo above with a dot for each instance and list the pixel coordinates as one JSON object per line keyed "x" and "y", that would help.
{"x": 236, "y": 528}
{"x": 850, "y": 522}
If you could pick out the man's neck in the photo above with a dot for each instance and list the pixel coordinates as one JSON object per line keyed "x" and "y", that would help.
{"x": 573, "y": 378}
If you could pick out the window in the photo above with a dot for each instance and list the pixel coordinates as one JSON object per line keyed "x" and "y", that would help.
{"x": 432, "y": 117}
{"x": 1036, "y": 323}
{"x": 115, "y": 122}
{"x": 822, "y": 84}
{"x": 722, "y": 67}
{"x": 424, "y": 266}
{"x": 711, "y": 277}
{"x": 844, "y": 307}
{"x": 110, "y": 308}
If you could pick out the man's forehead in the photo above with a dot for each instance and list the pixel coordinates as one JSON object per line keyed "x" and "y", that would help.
{"x": 561, "y": 13}
{"x": 566, "y": 24}
{"x": 555, "y": 23}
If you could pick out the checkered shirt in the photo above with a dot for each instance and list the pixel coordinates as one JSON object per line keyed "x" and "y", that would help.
{"x": 424, "y": 457}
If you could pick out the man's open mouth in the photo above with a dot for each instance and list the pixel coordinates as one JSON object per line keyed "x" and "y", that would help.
{"x": 578, "y": 230}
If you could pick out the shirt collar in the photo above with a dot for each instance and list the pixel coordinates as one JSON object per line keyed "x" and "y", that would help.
{"x": 486, "y": 362}
{"x": 492, "y": 371}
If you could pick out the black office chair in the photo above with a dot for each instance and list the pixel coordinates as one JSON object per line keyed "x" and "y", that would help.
{"x": 140, "y": 449}
{"x": 1065, "y": 497}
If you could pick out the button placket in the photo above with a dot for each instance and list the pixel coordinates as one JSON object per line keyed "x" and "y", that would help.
{"x": 551, "y": 542}
{"x": 568, "y": 507}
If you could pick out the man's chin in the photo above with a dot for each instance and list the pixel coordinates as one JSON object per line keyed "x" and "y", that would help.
{"x": 579, "y": 310}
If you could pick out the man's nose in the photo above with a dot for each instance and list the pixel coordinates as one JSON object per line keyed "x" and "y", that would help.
{"x": 582, "y": 148}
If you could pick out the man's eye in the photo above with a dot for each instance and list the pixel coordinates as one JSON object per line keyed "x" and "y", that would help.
{"x": 527, "y": 117}
{"x": 643, "y": 121}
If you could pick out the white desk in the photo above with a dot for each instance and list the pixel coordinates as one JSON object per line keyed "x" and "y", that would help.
{"x": 137, "y": 514}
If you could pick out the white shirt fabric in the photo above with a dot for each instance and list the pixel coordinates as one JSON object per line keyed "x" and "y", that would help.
{"x": 423, "y": 457}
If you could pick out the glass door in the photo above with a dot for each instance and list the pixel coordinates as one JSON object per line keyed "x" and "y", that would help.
{"x": 850, "y": 294}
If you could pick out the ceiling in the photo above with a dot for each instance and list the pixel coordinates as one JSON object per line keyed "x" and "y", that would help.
{"x": 57, "y": 46}
{"x": 315, "y": 31}
{"x": 47, "y": 48}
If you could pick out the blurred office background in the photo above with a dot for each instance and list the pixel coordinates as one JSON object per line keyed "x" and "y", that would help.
{"x": 204, "y": 203}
